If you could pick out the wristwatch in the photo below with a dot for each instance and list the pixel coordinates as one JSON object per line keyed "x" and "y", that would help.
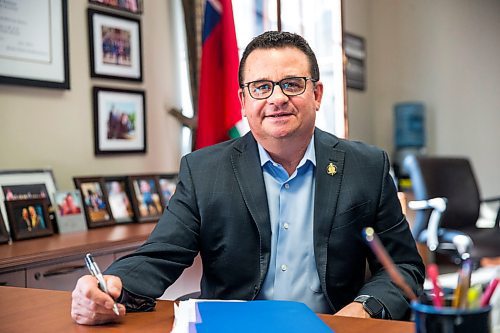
{"x": 371, "y": 305}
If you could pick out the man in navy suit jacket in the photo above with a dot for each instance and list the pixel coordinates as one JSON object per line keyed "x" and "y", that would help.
{"x": 225, "y": 207}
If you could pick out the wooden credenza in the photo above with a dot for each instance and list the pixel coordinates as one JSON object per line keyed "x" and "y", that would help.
{"x": 56, "y": 262}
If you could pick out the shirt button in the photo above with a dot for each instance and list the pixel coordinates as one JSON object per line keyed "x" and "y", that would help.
{"x": 283, "y": 268}
{"x": 285, "y": 225}
{"x": 287, "y": 186}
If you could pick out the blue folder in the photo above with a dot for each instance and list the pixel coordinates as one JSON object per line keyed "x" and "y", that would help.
{"x": 258, "y": 317}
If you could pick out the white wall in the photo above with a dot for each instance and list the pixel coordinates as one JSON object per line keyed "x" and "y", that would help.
{"x": 54, "y": 128}
{"x": 444, "y": 53}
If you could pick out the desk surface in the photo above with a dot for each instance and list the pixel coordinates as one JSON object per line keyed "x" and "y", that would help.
{"x": 28, "y": 310}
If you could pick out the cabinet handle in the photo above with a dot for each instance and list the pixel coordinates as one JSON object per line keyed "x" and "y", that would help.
{"x": 60, "y": 271}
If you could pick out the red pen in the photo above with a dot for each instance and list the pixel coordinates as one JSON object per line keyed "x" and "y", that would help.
{"x": 433, "y": 272}
{"x": 485, "y": 299}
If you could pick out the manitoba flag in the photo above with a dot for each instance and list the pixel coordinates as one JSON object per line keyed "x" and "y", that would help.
{"x": 219, "y": 110}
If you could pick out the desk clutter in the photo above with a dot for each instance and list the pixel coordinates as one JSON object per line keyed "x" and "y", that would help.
{"x": 207, "y": 316}
{"x": 31, "y": 205}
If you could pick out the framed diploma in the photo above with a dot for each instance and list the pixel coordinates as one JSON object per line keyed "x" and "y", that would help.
{"x": 34, "y": 43}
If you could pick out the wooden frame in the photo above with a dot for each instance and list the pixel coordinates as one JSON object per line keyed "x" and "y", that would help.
{"x": 95, "y": 204}
{"x": 167, "y": 184}
{"x": 146, "y": 198}
{"x": 115, "y": 46}
{"x": 119, "y": 198}
{"x": 29, "y": 218}
{"x": 130, "y": 6}
{"x": 36, "y": 53}
{"x": 119, "y": 121}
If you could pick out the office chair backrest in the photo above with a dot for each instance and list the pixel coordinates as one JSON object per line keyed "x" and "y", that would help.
{"x": 452, "y": 178}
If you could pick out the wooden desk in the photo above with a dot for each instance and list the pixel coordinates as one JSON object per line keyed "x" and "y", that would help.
{"x": 34, "y": 310}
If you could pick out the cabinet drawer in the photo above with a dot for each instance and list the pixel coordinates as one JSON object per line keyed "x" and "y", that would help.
{"x": 62, "y": 276}
{"x": 13, "y": 279}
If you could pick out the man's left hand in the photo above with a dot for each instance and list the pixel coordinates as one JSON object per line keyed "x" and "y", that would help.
{"x": 353, "y": 309}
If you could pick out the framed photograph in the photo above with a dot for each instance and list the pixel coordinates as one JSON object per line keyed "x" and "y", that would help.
{"x": 69, "y": 211}
{"x": 34, "y": 43}
{"x": 119, "y": 199}
{"x": 95, "y": 205}
{"x": 167, "y": 183}
{"x": 146, "y": 198}
{"x": 354, "y": 47}
{"x": 29, "y": 218}
{"x": 119, "y": 121}
{"x": 25, "y": 184}
{"x": 131, "y": 6}
{"x": 115, "y": 46}
{"x": 4, "y": 234}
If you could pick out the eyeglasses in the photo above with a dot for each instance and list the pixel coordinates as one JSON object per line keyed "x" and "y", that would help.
{"x": 290, "y": 86}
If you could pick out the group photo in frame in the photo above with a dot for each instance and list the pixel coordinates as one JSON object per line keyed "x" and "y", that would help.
{"x": 131, "y": 6}
{"x": 119, "y": 121}
{"x": 34, "y": 44}
{"x": 119, "y": 198}
{"x": 115, "y": 46}
{"x": 25, "y": 184}
{"x": 94, "y": 198}
{"x": 146, "y": 198}
{"x": 29, "y": 218}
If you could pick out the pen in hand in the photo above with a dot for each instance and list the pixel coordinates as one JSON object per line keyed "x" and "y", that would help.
{"x": 96, "y": 272}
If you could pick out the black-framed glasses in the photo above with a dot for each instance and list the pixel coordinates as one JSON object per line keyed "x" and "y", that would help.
{"x": 290, "y": 86}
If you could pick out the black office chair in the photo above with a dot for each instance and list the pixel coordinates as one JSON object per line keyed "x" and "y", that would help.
{"x": 446, "y": 186}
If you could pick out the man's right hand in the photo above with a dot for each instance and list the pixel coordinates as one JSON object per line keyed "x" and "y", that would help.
{"x": 91, "y": 306}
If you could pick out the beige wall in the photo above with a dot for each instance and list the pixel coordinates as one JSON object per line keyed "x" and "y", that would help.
{"x": 54, "y": 128}
{"x": 444, "y": 53}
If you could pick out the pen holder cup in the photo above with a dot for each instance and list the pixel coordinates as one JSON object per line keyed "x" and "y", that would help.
{"x": 430, "y": 319}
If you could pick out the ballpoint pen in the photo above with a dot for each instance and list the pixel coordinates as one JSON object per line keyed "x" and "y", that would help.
{"x": 96, "y": 272}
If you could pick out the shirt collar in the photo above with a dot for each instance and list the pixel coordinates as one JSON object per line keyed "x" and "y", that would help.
{"x": 309, "y": 155}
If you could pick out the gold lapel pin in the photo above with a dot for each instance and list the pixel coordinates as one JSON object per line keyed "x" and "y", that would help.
{"x": 331, "y": 169}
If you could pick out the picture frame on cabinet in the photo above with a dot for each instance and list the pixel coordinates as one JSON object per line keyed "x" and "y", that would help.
{"x": 115, "y": 46}
{"x": 119, "y": 198}
{"x": 69, "y": 211}
{"x": 130, "y": 6}
{"x": 146, "y": 198}
{"x": 29, "y": 218}
{"x": 94, "y": 198}
{"x": 4, "y": 234}
{"x": 167, "y": 184}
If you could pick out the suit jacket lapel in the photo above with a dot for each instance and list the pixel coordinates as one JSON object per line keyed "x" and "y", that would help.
{"x": 326, "y": 195}
{"x": 247, "y": 170}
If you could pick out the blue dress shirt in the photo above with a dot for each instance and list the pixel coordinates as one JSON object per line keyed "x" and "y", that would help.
{"x": 292, "y": 273}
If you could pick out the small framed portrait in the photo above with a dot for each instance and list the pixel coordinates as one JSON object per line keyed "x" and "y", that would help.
{"x": 115, "y": 46}
{"x": 131, "y": 6}
{"x": 25, "y": 184}
{"x": 4, "y": 234}
{"x": 119, "y": 199}
{"x": 167, "y": 183}
{"x": 69, "y": 211}
{"x": 95, "y": 205}
{"x": 146, "y": 198}
{"x": 119, "y": 121}
{"x": 29, "y": 218}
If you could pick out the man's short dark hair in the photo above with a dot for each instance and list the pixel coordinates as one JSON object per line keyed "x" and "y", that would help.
{"x": 276, "y": 40}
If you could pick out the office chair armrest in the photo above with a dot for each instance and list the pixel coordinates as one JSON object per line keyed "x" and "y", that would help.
{"x": 494, "y": 199}
{"x": 438, "y": 206}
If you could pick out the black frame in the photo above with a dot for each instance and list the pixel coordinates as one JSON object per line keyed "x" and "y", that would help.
{"x": 135, "y": 202}
{"x": 45, "y": 83}
{"x": 126, "y": 190}
{"x": 91, "y": 222}
{"x": 98, "y": 145}
{"x": 4, "y": 234}
{"x": 140, "y": 6}
{"x": 14, "y": 205}
{"x": 93, "y": 72}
